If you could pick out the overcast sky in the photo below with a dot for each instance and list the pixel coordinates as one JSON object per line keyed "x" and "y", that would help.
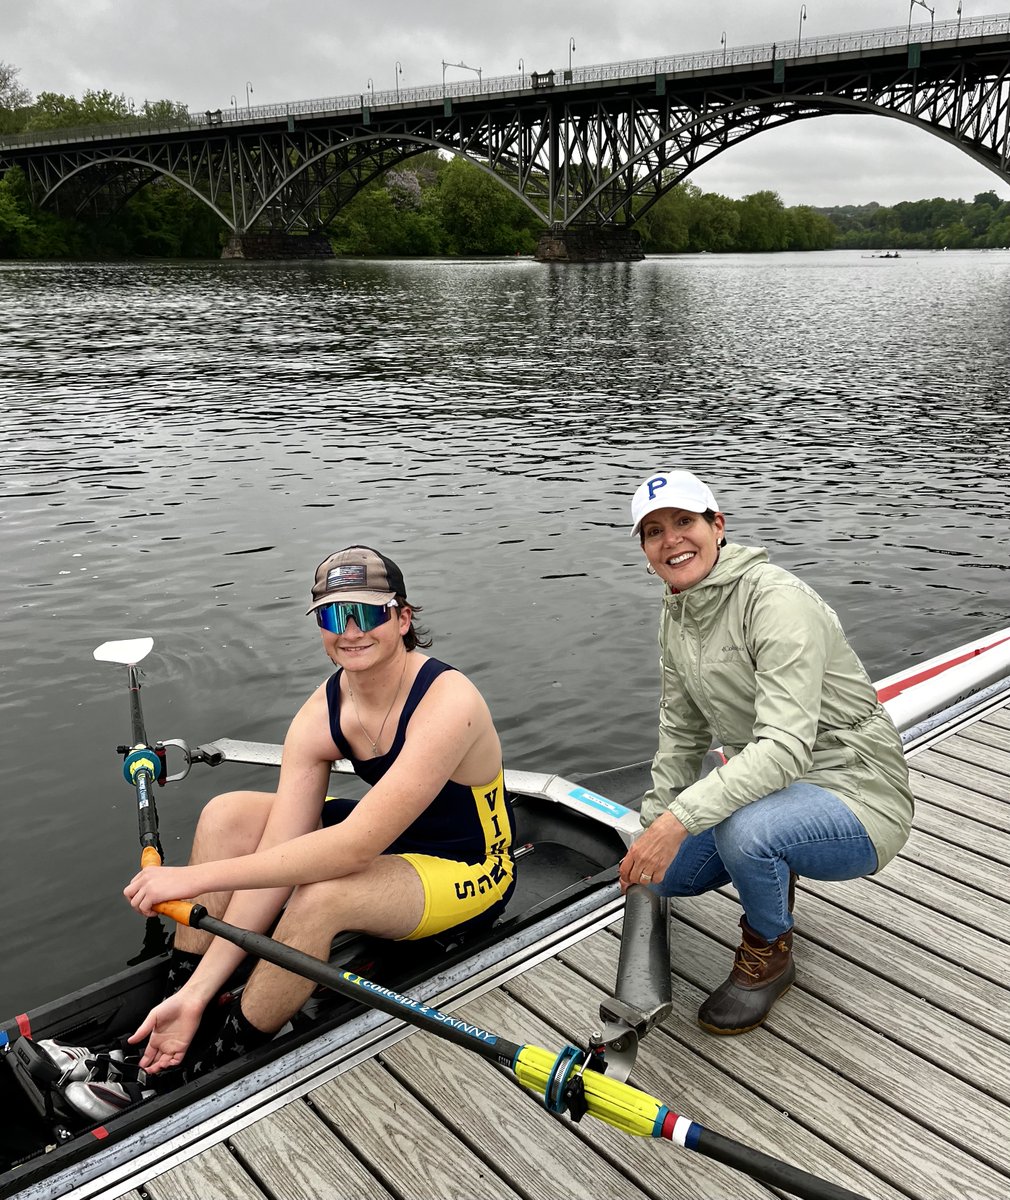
{"x": 205, "y": 52}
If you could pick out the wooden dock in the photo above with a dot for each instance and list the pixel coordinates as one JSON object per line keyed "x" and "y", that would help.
{"x": 886, "y": 1069}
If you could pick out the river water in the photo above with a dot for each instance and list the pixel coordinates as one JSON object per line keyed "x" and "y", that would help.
{"x": 182, "y": 443}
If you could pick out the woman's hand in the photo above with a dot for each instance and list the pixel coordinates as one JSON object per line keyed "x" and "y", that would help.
{"x": 652, "y": 851}
{"x": 155, "y": 885}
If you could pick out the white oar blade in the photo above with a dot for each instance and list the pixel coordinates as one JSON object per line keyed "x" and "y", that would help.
{"x": 129, "y": 652}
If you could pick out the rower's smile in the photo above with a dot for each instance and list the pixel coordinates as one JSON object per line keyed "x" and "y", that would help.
{"x": 372, "y": 646}
{"x": 681, "y": 546}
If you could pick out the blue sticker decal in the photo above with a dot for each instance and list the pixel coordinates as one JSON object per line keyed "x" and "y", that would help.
{"x": 4, "y": 1039}
{"x": 595, "y": 800}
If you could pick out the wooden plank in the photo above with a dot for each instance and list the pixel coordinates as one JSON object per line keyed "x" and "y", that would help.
{"x": 988, "y": 810}
{"x": 949, "y": 826}
{"x": 979, "y": 754}
{"x": 953, "y": 1044}
{"x": 543, "y": 1157}
{"x": 845, "y": 927}
{"x": 877, "y": 1064}
{"x": 946, "y": 939}
{"x": 213, "y": 1174}
{"x": 999, "y": 717}
{"x": 964, "y": 904}
{"x": 987, "y": 734}
{"x": 294, "y": 1154}
{"x": 675, "y": 1065}
{"x": 950, "y": 861}
{"x": 412, "y": 1152}
{"x": 964, "y": 774}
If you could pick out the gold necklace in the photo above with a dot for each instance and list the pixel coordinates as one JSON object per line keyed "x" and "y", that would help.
{"x": 374, "y": 742}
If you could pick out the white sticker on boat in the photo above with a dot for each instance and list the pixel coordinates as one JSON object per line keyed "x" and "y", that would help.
{"x": 595, "y": 800}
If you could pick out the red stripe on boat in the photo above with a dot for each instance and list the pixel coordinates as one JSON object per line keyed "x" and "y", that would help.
{"x": 100, "y": 1133}
{"x": 901, "y": 685}
{"x": 24, "y": 1024}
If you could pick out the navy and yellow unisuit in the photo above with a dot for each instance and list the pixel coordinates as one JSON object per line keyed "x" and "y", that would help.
{"x": 461, "y": 844}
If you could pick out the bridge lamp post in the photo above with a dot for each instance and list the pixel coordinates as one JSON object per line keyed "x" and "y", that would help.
{"x": 476, "y": 71}
{"x": 958, "y": 20}
{"x": 799, "y": 35}
{"x": 398, "y": 73}
{"x": 571, "y": 51}
{"x": 371, "y": 92}
{"x": 522, "y": 74}
{"x": 922, "y": 4}
{"x": 234, "y": 106}
{"x": 722, "y": 42}
{"x": 248, "y": 94}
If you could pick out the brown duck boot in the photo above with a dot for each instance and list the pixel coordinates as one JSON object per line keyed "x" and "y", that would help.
{"x": 762, "y": 971}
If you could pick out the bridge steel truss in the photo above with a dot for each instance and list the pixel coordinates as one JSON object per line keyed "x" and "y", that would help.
{"x": 582, "y": 153}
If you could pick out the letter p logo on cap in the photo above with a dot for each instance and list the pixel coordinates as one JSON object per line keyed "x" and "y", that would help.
{"x": 654, "y": 484}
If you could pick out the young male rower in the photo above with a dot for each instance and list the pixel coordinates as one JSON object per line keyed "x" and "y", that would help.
{"x": 427, "y": 849}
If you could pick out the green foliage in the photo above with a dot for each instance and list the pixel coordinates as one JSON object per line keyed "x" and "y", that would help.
{"x": 164, "y": 112}
{"x": 28, "y": 234}
{"x": 687, "y": 220}
{"x": 430, "y": 206}
{"x": 52, "y": 110}
{"x": 480, "y": 216}
{"x": 55, "y": 111}
{"x": 932, "y": 224}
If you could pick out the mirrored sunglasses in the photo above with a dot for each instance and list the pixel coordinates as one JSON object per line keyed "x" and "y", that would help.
{"x": 333, "y": 617}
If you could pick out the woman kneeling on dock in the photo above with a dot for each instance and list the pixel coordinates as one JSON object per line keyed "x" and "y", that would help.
{"x": 815, "y": 782}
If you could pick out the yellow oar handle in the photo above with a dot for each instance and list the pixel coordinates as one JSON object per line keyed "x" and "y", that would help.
{"x": 149, "y": 857}
{"x": 607, "y": 1099}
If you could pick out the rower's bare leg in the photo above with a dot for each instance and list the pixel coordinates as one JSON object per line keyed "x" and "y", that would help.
{"x": 386, "y": 900}
{"x": 230, "y": 826}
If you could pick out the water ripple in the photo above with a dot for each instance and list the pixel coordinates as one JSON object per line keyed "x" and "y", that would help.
{"x": 183, "y": 442}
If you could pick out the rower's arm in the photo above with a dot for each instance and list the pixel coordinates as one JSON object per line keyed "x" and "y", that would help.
{"x": 450, "y": 735}
{"x": 305, "y": 770}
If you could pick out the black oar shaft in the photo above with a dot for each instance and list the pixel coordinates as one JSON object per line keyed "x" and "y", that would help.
{"x": 147, "y": 815}
{"x": 772, "y": 1171}
{"x": 136, "y": 712}
{"x": 489, "y": 1045}
{"x": 363, "y": 991}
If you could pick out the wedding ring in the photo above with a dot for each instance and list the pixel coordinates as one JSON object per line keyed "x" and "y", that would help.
{"x": 645, "y": 878}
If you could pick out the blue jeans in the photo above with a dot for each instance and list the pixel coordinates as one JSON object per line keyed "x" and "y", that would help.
{"x": 803, "y": 828}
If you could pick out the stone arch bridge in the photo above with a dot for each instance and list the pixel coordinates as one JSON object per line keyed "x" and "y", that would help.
{"x": 587, "y": 150}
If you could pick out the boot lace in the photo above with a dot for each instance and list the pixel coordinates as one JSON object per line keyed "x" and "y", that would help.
{"x": 753, "y": 959}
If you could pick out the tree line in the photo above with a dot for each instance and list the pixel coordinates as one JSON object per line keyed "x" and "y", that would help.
{"x": 982, "y": 223}
{"x": 433, "y": 206}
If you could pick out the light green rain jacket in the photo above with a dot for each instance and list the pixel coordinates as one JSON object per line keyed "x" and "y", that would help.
{"x": 754, "y": 660}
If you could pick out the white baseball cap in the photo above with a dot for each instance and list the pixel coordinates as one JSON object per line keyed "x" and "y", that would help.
{"x": 671, "y": 489}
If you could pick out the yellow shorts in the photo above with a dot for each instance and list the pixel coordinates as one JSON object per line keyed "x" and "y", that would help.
{"x": 456, "y": 892}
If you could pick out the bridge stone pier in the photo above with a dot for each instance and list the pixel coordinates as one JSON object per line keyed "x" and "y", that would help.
{"x": 274, "y": 244}
{"x": 588, "y": 151}
{"x": 590, "y": 243}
